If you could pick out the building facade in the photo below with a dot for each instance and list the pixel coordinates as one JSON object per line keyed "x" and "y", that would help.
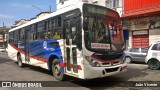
{"x": 3, "y": 37}
{"x": 20, "y": 22}
{"x": 142, "y": 20}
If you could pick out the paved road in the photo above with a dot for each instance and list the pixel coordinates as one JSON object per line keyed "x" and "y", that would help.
{"x": 9, "y": 71}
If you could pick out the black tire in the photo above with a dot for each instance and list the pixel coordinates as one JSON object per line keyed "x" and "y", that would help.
{"x": 128, "y": 59}
{"x": 56, "y": 70}
{"x": 154, "y": 64}
{"x": 19, "y": 60}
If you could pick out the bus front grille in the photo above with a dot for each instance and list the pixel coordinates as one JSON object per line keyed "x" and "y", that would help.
{"x": 111, "y": 69}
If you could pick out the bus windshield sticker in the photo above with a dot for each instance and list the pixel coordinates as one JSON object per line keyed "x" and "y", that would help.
{"x": 100, "y": 46}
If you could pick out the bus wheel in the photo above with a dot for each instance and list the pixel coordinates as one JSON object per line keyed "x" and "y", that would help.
{"x": 56, "y": 70}
{"x": 19, "y": 59}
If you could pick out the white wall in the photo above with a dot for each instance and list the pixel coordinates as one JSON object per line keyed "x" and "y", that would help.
{"x": 99, "y": 2}
{"x": 71, "y": 2}
{"x": 130, "y": 39}
{"x": 154, "y": 35}
{"x": 118, "y": 9}
{"x": 66, "y": 3}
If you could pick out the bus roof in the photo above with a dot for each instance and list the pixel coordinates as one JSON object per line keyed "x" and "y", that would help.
{"x": 58, "y": 12}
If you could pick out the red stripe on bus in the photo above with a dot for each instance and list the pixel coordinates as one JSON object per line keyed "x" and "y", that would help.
{"x": 108, "y": 61}
{"x": 63, "y": 64}
{"x": 71, "y": 66}
{"x": 44, "y": 60}
{"x": 19, "y": 50}
{"x": 30, "y": 55}
{"x": 79, "y": 67}
{"x": 37, "y": 58}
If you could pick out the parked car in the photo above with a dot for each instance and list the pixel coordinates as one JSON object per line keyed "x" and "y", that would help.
{"x": 153, "y": 56}
{"x": 135, "y": 54}
{"x": 2, "y": 49}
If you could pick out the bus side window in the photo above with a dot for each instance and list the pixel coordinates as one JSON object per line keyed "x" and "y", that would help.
{"x": 55, "y": 31}
{"x": 78, "y": 33}
{"x": 15, "y": 36}
{"x": 56, "y": 35}
{"x": 11, "y": 37}
{"x": 73, "y": 31}
{"x": 33, "y": 32}
{"x": 59, "y": 21}
{"x": 41, "y": 30}
{"x": 41, "y": 35}
{"x": 48, "y": 29}
{"x": 21, "y": 35}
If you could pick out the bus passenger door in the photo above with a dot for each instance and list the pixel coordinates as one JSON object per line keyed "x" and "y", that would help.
{"x": 26, "y": 45}
{"x": 70, "y": 48}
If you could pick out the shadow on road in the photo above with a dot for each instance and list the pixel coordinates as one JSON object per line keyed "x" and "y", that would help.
{"x": 119, "y": 80}
{"x": 36, "y": 68}
{"x": 134, "y": 62}
{"x": 3, "y": 60}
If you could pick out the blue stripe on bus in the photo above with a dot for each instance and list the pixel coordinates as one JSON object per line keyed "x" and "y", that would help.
{"x": 40, "y": 50}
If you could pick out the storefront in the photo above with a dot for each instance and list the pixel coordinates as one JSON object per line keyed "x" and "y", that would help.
{"x": 143, "y": 31}
{"x": 1, "y": 40}
{"x": 140, "y": 39}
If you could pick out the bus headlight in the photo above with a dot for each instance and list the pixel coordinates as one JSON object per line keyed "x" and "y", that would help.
{"x": 92, "y": 62}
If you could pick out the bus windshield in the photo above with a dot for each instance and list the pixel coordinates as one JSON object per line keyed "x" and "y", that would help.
{"x": 102, "y": 29}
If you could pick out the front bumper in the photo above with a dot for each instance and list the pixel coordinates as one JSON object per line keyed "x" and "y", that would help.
{"x": 98, "y": 72}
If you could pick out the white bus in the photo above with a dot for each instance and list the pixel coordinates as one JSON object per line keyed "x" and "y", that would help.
{"x": 83, "y": 41}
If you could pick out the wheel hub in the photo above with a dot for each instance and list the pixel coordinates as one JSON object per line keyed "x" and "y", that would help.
{"x": 57, "y": 69}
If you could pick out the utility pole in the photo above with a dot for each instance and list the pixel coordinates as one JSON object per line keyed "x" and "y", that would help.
{"x": 50, "y": 9}
{"x": 37, "y": 8}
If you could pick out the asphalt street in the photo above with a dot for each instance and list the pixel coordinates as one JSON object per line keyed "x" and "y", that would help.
{"x": 9, "y": 71}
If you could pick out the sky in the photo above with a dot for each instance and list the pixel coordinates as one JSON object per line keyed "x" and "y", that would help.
{"x": 15, "y": 10}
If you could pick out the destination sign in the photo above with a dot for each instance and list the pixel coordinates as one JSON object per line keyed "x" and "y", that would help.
{"x": 94, "y": 9}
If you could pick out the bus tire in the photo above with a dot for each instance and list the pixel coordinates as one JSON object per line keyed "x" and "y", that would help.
{"x": 19, "y": 60}
{"x": 56, "y": 70}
